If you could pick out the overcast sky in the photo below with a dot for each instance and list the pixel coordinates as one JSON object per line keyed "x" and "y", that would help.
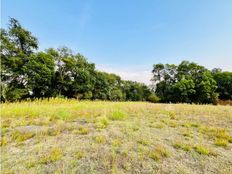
{"x": 127, "y": 37}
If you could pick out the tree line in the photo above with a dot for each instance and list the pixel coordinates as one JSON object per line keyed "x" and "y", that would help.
{"x": 189, "y": 82}
{"x": 27, "y": 73}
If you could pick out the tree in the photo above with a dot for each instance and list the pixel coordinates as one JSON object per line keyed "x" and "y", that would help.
{"x": 187, "y": 82}
{"x": 224, "y": 84}
{"x": 135, "y": 91}
{"x": 40, "y": 71}
{"x": 101, "y": 86}
{"x": 17, "y": 45}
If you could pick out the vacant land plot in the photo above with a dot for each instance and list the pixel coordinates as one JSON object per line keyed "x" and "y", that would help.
{"x": 68, "y": 136}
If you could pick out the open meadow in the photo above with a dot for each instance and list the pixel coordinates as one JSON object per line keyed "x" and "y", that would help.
{"x": 70, "y": 136}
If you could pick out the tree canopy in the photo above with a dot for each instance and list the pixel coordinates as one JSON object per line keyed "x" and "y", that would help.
{"x": 190, "y": 83}
{"x": 26, "y": 73}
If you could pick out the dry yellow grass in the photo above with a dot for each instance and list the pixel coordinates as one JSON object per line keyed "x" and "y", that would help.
{"x": 70, "y": 136}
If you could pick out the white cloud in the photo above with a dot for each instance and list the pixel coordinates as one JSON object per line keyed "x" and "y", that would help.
{"x": 138, "y": 74}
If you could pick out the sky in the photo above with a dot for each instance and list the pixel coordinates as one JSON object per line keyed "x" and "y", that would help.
{"x": 127, "y": 37}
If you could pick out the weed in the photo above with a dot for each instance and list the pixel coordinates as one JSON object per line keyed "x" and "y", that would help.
{"x": 82, "y": 131}
{"x": 190, "y": 124}
{"x": 4, "y": 130}
{"x": 230, "y": 139}
{"x": 187, "y": 134}
{"x": 212, "y": 132}
{"x": 195, "y": 125}
{"x": 54, "y": 155}
{"x": 78, "y": 155}
{"x": 179, "y": 145}
{"x": 172, "y": 115}
{"x": 3, "y": 141}
{"x": 159, "y": 125}
{"x": 117, "y": 115}
{"x": 31, "y": 164}
{"x": 187, "y": 125}
{"x": 172, "y": 123}
{"x": 53, "y": 131}
{"x": 158, "y": 153}
{"x": 100, "y": 139}
{"x": 116, "y": 142}
{"x": 102, "y": 123}
{"x": 143, "y": 142}
{"x": 135, "y": 128}
{"x": 21, "y": 136}
{"x": 5, "y": 123}
{"x": 62, "y": 114}
{"x": 201, "y": 150}
{"x": 221, "y": 142}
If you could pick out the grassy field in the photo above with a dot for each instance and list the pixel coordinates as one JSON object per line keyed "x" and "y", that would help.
{"x": 68, "y": 136}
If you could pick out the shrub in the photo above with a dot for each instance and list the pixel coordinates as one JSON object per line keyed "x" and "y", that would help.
{"x": 153, "y": 98}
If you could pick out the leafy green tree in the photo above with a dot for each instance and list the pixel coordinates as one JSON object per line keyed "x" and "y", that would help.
{"x": 224, "y": 84}
{"x": 40, "y": 71}
{"x": 17, "y": 45}
{"x": 135, "y": 91}
{"x": 101, "y": 87}
{"x": 183, "y": 90}
{"x": 187, "y": 82}
{"x": 82, "y": 73}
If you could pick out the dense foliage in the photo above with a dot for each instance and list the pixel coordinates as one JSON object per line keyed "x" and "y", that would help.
{"x": 191, "y": 83}
{"x": 224, "y": 84}
{"x": 26, "y": 73}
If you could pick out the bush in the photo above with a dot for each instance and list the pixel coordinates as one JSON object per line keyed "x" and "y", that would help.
{"x": 153, "y": 98}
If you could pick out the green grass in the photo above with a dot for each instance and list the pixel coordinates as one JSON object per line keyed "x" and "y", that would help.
{"x": 54, "y": 155}
{"x": 70, "y": 136}
{"x": 100, "y": 139}
{"x": 3, "y": 141}
{"x": 159, "y": 153}
{"x": 78, "y": 155}
{"x": 82, "y": 130}
{"x": 21, "y": 136}
{"x": 221, "y": 142}
{"x": 201, "y": 150}
{"x": 180, "y": 145}
{"x": 117, "y": 115}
